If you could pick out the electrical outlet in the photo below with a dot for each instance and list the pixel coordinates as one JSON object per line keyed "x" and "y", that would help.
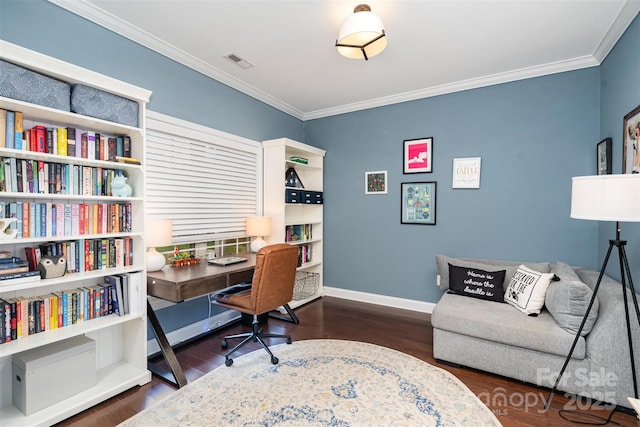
{"x": 438, "y": 280}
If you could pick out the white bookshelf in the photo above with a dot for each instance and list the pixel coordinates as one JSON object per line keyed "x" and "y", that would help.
{"x": 121, "y": 356}
{"x": 276, "y": 157}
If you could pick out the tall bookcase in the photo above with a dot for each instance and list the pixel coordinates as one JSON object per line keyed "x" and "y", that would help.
{"x": 120, "y": 340}
{"x": 277, "y": 154}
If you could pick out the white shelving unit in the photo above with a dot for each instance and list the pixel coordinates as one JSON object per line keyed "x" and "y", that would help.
{"x": 276, "y": 156}
{"x": 120, "y": 340}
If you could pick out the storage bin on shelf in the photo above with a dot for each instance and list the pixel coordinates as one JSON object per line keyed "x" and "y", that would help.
{"x": 307, "y": 285}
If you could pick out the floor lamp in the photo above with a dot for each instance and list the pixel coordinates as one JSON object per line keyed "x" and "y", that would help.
{"x": 607, "y": 198}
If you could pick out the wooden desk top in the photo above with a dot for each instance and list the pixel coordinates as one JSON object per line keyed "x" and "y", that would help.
{"x": 177, "y": 284}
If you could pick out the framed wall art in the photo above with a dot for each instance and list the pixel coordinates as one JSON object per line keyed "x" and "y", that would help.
{"x": 466, "y": 172}
{"x": 418, "y": 155}
{"x": 603, "y": 155}
{"x": 418, "y": 203}
{"x": 631, "y": 139}
{"x": 375, "y": 182}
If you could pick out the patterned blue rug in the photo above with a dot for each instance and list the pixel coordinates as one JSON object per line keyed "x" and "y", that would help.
{"x": 322, "y": 383}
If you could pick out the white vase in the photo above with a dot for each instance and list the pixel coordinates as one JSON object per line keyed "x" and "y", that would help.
{"x": 5, "y": 232}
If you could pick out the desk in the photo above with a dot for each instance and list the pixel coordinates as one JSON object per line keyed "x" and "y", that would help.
{"x": 177, "y": 284}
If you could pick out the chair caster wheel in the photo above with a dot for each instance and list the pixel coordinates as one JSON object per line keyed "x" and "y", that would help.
{"x": 224, "y": 344}
{"x": 228, "y": 362}
{"x": 288, "y": 340}
{"x": 274, "y": 360}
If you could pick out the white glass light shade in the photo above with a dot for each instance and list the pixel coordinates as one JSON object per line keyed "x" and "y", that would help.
{"x": 361, "y": 35}
{"x": 258, "y": 226}
{"x": 606, "y": 197}
{"x": 158, "y": 233}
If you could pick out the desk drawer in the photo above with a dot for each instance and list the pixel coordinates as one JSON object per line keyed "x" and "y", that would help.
{"x": 245, "y": 276}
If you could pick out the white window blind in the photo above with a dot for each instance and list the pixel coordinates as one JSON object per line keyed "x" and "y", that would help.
{"x": 206, "y": 181}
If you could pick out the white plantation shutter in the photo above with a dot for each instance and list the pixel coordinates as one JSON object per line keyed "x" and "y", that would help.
{"x": 206, "y": 181}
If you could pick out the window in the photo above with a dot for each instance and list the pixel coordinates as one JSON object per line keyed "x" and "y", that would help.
{"x": 206, "y": 181}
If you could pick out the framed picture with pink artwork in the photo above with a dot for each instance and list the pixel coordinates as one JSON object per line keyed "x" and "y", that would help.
{"x": 418, "y": 155}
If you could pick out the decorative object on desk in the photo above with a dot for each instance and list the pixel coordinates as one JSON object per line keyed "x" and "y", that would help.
{"x": 418, "y": 155}
{"x": 119, "y": 186}
{"x": 51, "y": 267}
{"x": 361, "y": 34}
{"x": 258, "y": 227}
{"x": 344, "y": 383}
{"x": 158, "y": 234}
{"x": 631, "y": 142}
{"x": 418, "y": 203}
{"x": 603, "y": 156}
{"x": 375, "y": 182}
{"x": 466, "y": 172}
{"x": 608, "y": 198}
{"x": 291, "y": 179}
{"x": 7, "y": 233}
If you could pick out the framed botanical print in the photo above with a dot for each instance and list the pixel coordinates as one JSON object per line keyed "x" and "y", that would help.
{"x": 418, "y": 203}
{"x": 375, "y": 182}
{"x": 631, "y": 139}
{"x": 418, "y": 155}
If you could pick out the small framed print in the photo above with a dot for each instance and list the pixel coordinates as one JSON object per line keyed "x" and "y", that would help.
{"x": 418, "y": 155}
{"x": 603, "y": 154}
{"x": 375, "y": 182}
{"x": 466, "y": 172}
{"x": 418, "y": 203}
{"x": 631, "y": 139}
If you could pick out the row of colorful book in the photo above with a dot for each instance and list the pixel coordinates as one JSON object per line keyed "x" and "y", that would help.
{"x": 40, "y": 177}
{"x": 85, "y": 255}
{"x": 61, "y": 141}
{"x": 14, "y": 270}
{"x": 48, "y": 219}
{"x": 22, "y": 316}
{"x": 304, "y": 254}
{"x": 294, "y": 233}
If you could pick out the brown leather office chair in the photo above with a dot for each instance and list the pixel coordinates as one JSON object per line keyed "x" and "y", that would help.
{"x": 271, "y": 287}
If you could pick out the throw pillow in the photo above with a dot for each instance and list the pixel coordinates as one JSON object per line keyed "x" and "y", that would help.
{"x": 443, "y": 261}
{"x": 527, "y": 290}
{"x": 473, "y": 282}
{"x": 567, "y": 300}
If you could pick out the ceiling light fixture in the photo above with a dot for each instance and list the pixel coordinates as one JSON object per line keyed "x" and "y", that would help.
{"x": 361, "y": 34}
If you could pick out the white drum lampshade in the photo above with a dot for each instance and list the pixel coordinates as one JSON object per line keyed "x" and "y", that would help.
{"x": 158, "y": 234}
{"x": 606, "y": 197}
{"x": 258, "y": 227}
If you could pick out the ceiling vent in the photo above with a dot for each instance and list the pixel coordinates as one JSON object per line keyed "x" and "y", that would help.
{"x": 238, "y": 61}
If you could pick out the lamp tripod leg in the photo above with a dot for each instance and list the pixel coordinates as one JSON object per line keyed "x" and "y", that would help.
{"x": 624, "y": 269}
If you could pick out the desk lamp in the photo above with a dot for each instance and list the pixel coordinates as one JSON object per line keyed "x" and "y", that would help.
{"x": 259, "y": 227}
{"x": 158, "y": 234}
{"x": 608, "y": 198}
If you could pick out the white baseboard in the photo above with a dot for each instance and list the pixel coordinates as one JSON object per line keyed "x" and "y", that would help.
{"x": 395, "y": 302}
{"x": 193, "y": 330}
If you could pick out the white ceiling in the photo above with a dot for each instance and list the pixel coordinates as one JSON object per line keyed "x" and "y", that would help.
{"x": 435, "y": 46}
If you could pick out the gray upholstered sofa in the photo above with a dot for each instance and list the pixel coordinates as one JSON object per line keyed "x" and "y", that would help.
{"x": 498, "y": 338}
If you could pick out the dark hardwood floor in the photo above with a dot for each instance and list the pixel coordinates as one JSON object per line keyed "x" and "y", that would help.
{"x": 513, "y": 402}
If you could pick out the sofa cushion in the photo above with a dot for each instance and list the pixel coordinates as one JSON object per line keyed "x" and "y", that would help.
{"x": 527, "y": 290}
{"x": 567, "y": 300}
{"x": 443, "y": 261}
{"x": 504, "y": 324}
{"x": 476, "y": 283}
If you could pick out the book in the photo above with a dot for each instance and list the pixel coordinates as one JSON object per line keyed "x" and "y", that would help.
{"x": 10, "y": 129}
{"x": 122, "y": 159}
{"x": 62, "y": 142}
{"x": 71, "y": 142}
{"x": 3, "y": 130}
{"x": 18, "y": 130}
{"x": 115, "y": 283}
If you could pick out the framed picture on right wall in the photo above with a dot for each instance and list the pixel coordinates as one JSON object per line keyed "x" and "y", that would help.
{"x": 631, "y": 139}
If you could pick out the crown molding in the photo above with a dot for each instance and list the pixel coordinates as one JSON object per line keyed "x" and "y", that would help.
{"x": 491, "y": 80}
{"x": 100, "y": 17}
{"x": 627, "y": 14}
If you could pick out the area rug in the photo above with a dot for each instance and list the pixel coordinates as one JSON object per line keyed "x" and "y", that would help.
{"x": 322, "y": 383}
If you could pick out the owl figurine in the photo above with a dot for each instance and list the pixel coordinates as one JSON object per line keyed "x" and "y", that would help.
{"x": 52, "y": 266}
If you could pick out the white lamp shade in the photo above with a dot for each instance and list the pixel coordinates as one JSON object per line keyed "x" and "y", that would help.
{"x": 606, "y": 197}
{"x": 258, "y": 226}
{"x": 158, "y": 232}
{"x": 359, "y": 29}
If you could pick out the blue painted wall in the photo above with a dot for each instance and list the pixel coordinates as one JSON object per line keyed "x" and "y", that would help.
{"x": 620, "y": 88}
{"x": 532, "y": 135}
